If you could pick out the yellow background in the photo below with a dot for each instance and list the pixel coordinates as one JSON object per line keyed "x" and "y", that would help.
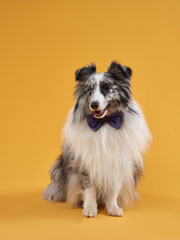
{"x": 42, "y": 43}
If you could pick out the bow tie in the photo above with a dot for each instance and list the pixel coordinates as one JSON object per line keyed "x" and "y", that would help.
{"x": 114, "y": 119}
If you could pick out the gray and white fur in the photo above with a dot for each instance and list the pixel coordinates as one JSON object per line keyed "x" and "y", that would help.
{"x": 100, "y": 167}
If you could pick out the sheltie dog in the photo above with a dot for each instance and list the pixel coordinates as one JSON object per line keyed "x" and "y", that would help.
{"x": 104, "y": 138}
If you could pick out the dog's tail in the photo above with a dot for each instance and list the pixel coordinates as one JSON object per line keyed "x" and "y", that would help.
{"x": 54, "y": 192}
{"x": 72, "y": 194}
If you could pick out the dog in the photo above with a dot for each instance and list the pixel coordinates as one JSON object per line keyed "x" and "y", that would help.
{"x": 104, "y": 138}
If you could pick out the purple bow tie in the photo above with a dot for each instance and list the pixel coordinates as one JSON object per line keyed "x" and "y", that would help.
{"x": 114, "y": 119}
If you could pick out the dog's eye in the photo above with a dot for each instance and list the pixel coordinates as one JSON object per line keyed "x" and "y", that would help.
{"x": 106, "y": 87}
{"x": 89, "y": 90}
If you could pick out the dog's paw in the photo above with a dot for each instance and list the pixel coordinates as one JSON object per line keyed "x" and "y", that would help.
{"x": 89, "y": 212}
{"x": 115, "y": 211}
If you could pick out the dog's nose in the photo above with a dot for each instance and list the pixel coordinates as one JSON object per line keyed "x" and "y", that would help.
{"x": 94, "y": 105}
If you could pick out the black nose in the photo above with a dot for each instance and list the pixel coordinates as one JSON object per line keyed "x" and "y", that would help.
{"x": 94, "y": 105}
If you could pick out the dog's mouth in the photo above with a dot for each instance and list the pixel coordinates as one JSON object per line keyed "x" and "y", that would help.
{"x": 101, "y": 113}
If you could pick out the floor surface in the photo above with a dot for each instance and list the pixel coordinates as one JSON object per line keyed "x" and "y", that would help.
{"x": 29, "y": 217}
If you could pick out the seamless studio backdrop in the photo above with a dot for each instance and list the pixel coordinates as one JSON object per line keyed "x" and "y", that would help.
{"x": 42, "y": 43}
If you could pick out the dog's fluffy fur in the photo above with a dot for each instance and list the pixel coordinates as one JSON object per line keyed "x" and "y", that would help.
{"x": 104, "y": 166}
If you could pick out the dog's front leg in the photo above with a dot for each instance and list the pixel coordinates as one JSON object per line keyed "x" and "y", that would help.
{"x": 90, "y": 204}
{"x": 111, "y": 204}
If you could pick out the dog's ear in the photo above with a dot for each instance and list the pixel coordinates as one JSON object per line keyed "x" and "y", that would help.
{"x": 119, "y": 71}
{"x": 85, "y": 72}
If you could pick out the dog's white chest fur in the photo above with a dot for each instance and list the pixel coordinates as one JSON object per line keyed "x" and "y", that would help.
{"x": 108, "y": 155}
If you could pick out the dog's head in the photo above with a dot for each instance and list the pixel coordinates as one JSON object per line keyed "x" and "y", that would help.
{"x": 103, "y": 93}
